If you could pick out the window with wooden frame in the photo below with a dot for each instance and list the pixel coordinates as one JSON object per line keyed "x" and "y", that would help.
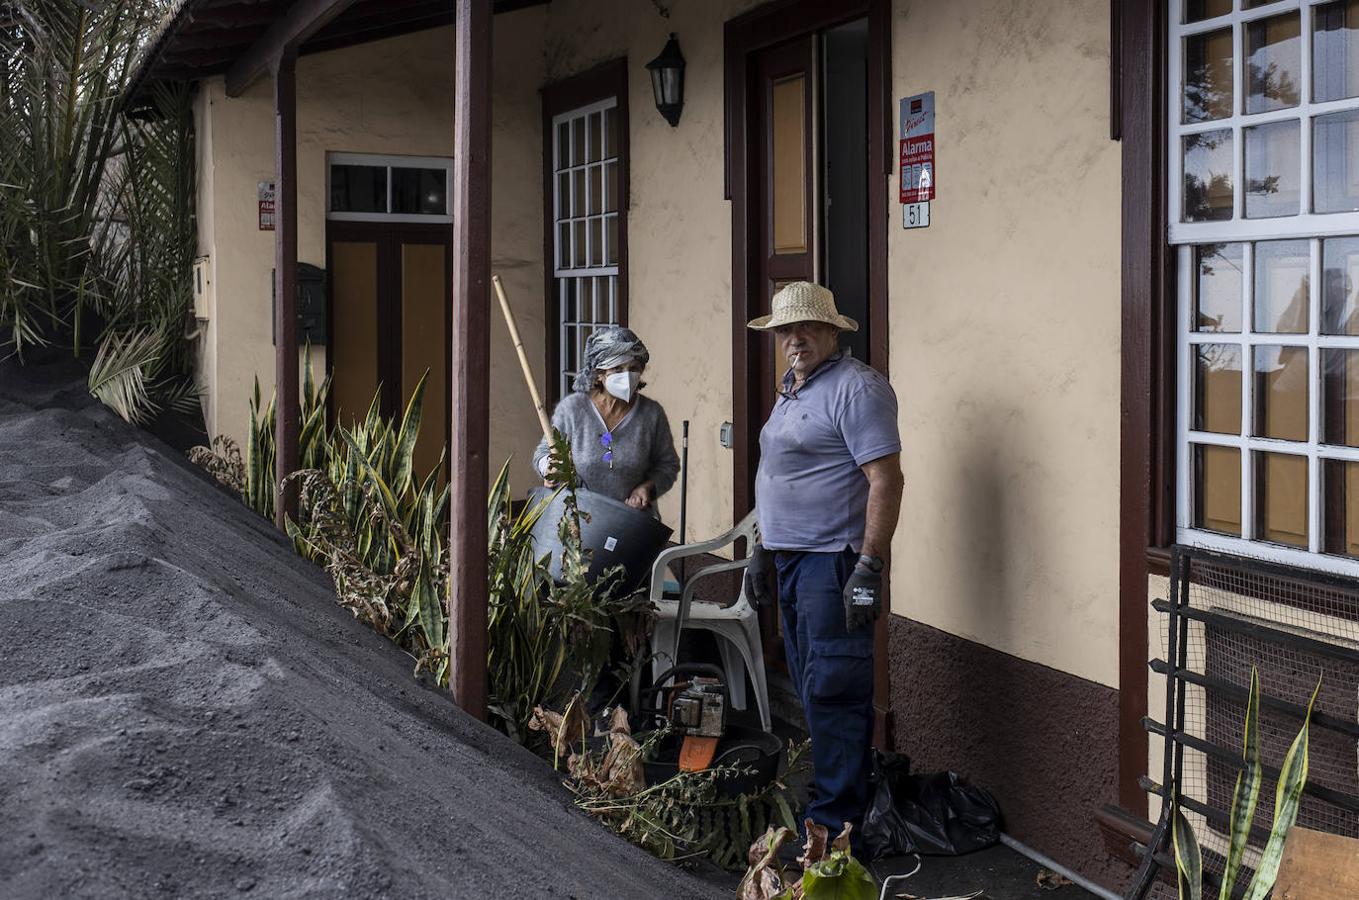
{"x": 366, "y": 187}
{"x": 586, "y": 215}
{"x": 1264, "y": 222}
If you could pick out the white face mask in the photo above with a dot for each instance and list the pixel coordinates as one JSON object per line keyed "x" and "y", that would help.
{"x": 623, "y": 385}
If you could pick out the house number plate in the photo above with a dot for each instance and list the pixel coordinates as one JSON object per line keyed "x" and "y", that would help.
{"x": 915, "y": 215}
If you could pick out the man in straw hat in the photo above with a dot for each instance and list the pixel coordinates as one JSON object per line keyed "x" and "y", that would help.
{"x": 828, "y": 492}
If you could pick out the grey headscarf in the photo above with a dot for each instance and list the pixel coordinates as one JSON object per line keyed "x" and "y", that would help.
{"x": 606, "y": 348}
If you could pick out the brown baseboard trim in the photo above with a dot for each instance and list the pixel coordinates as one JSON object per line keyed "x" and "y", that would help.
{"x": 1043, "y": 741}
{"x": 1124, "y": 834}
{"x": 882, "y": 728}
{"x": 1158, "y": 561}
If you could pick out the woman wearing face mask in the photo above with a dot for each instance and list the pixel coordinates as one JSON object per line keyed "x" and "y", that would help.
{"x": 620, "y": 440}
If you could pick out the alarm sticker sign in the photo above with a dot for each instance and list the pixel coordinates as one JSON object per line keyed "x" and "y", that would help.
{"x": 918, "y": 179}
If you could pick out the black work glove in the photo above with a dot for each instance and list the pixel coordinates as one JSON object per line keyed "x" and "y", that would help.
{"x": 758, "y": 575}
{"x": 863, "y": 595}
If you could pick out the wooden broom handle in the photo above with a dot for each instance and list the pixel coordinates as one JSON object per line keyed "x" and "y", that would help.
{"x": 523, "y": 359}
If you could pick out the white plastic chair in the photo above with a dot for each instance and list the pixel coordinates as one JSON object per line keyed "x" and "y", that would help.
{"x": 737, "y": 626}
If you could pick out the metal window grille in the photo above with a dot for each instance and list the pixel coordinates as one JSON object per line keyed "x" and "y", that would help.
{"x": 1225, "y": 615}
{"x": 585, "y": 203}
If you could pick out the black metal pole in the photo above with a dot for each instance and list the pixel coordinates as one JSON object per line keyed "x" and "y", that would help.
{"x": 684, "y": 496}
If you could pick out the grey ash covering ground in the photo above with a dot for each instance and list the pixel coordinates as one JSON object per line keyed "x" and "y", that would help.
{"x": 186, "y": 712}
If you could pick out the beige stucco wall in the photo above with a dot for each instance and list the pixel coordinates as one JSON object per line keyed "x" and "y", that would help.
{"x": 205, "y": 369}
{"x": 1003, "y": 314}
{"x": 391, "y": 97}
{"x": 1005, "y": 333}
{"x": 679, "y": 222}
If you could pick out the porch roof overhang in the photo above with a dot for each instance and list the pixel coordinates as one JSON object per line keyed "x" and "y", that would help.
{"x": 201, "y": 38}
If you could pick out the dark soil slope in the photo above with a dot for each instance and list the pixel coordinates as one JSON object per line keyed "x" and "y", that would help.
{"x": 186, "y": 712}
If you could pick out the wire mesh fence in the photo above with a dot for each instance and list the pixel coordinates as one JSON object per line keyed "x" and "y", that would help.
{"x": 1227, "y": 616}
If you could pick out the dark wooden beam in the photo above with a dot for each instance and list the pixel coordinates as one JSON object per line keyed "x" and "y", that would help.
{"x": 288, "y": 413}
{"x": 367, "y": 21}
{"x": 470, "y": 431}
{"x": 505, "y": 6}
{"x": 324, "y": 42}
{"x": 258, "y": 15}
{"x": 880, "y": 121}
{"x": 364, "y": 16}
{"x": 214, "y": 39}
{"x": 181, "y": 73}
{"x": 303, "y": 19}
{"x": 363, "y": 24}
{"x": 221, "y": 56}
{"x": 1147, "y": 354}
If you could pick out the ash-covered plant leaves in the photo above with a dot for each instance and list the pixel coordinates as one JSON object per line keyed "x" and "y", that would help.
{"x": 377, "y": 529}
{"x": 380, "y": 530}
{"x": 683, "y": 816}
{"x": 549, "y": 638}
{"x": 222, "y": 460}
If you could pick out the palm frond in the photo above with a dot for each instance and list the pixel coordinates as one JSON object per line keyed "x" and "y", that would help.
{"x": 97, "y": 232}
{"x": 118, "y": 376}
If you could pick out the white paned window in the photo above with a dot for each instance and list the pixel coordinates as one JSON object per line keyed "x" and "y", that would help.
{"x": 1264, "y": 213}
{"x": 586, "y": 233}
{"x": 367, "y": 188}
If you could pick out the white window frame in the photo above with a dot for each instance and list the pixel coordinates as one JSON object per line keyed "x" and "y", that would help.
{"x": 1307, "y": 225}
{"x": 389, "y": 162}
{"x": 1239, "y": 228}
{"x": 567, "y": 366}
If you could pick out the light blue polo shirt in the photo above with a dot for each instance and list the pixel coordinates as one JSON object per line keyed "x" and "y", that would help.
{"x": 809, "y": 490}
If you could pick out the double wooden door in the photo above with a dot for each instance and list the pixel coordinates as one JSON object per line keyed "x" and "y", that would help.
{"x": 390, "y": 290}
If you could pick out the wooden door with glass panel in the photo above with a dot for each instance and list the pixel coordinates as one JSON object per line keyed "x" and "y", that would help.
{"x": 785, "y": 126}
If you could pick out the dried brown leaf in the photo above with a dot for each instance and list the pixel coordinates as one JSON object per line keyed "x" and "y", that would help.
{"x": 764, "y": 880}
{"x": 766, "y": 846}
{"x": 841, "y": 842}
{"x": 814, "y": 849}
{"x": 1051, "y": 881}
{"x": 622, "y": 771}
{"x": 618, "y": 722}
{"x": 566, "y": 731}
{"x": 764, "y": 885}
{"x": 581, "y": 766}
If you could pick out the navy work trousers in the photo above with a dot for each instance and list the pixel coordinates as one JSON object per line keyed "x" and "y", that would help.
{"x": 832, "y": 670}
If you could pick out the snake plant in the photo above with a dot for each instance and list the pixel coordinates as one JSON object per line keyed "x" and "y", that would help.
{"x": 1287, "y": 797}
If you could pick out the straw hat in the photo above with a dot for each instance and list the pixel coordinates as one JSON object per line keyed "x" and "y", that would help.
{"x": 802, "y": 301}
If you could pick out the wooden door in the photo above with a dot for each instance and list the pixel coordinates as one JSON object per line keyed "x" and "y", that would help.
{"x": 353, "y": 354}
{"x": 425, "y": 280}
{"x": 817, "y": 47}
{"x": 389, "y": 298}
{"x": 783, "y": 132}
{"x": 786, "y": 130}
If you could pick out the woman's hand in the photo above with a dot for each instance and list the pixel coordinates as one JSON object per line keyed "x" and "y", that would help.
{"x": 640, "y": 498}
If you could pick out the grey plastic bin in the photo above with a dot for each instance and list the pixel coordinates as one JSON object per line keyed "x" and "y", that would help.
{"x": 616, "y": 534}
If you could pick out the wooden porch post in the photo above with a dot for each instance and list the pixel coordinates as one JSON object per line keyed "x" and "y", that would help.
{"x": 288, "y": 413}
{"x": 470, "y": 430}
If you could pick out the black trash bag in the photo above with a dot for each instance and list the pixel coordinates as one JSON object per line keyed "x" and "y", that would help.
{"x": 933, "y": 815}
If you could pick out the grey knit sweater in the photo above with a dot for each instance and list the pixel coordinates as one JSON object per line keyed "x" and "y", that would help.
{"x": 643, "y": 447}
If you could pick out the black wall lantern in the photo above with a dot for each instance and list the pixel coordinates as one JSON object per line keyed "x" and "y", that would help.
{"x": 667, "y": 80}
